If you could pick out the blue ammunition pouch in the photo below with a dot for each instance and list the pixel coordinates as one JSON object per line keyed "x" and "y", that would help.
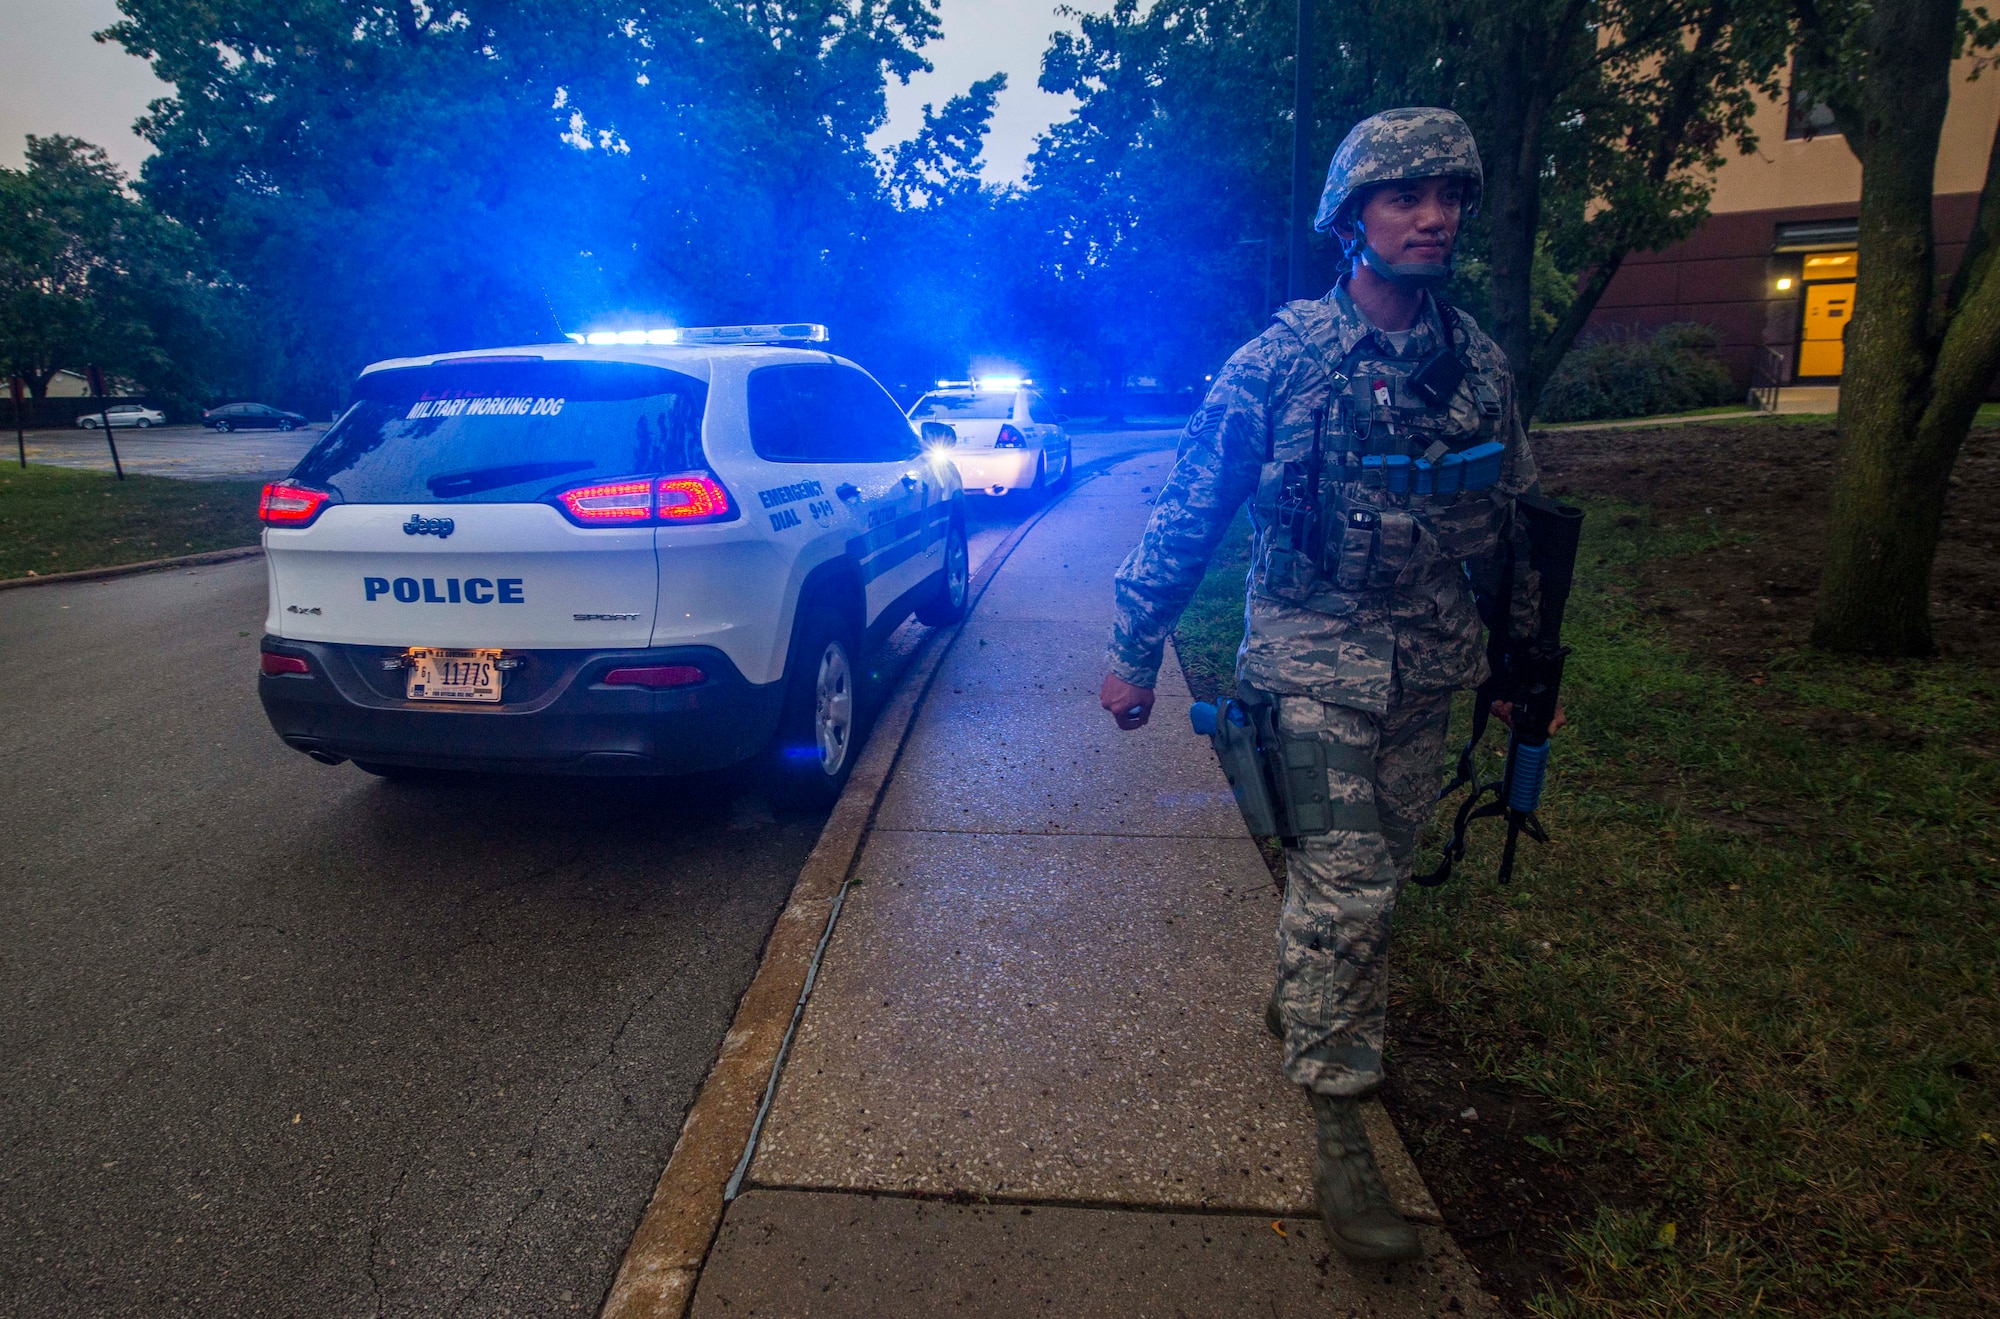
{"x": 1477, "y": 468}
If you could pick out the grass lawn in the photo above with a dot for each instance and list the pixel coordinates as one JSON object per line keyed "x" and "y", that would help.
{"x": 53, "y": 519}
{"x": 1755, "y": 974}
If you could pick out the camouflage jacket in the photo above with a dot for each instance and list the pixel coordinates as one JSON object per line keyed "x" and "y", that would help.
{"x": 1375, "y": 597}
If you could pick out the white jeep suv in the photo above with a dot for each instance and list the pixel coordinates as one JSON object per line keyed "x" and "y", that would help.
{"x": 621, "y": 559}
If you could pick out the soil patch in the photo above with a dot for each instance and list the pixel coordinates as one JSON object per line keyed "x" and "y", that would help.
{"x": 1762, "y": 487}
{"x": 1502, "y": 1165}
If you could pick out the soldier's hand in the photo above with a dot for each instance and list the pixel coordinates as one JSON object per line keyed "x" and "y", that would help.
{"x": 1504, "y": 712}
{"x": 1130, "y": 706}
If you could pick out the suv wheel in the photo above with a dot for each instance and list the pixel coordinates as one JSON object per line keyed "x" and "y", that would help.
{"x": 948, "y": 605}
{"x": 817, "y": 735}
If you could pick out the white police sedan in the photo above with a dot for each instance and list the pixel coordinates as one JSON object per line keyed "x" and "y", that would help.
{"x": 1009, "y": 437}
{"x": 622, "y": 558}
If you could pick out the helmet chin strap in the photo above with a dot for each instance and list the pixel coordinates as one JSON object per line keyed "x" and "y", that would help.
{"x": 1418, "y": 275}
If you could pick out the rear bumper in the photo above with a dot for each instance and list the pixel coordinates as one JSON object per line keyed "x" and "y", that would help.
{"x": 984, "y": 469}
{"x": 556, "y": 716}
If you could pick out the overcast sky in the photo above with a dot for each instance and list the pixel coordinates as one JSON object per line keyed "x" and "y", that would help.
{"x": 55, "y": 79}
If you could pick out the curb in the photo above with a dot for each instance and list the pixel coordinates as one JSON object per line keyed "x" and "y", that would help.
{"x": 133, "y": 569}
{"x": 657, "y": 1277}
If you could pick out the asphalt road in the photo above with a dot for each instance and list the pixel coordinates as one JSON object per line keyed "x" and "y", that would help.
{"x": 282, "y": 1038}
{"x": 189, "y": 452}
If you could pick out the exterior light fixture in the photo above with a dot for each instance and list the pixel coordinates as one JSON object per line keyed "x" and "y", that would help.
{"x": 1784, "y": 283}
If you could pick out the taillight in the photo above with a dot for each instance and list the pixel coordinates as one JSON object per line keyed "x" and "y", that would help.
{"x": 285, "y": 505}
{"x": 1010, "y": 439}
{"x": 278, "y": 665}
{"x": 693, "y": 497}
{"x": 687, "y": 498}
{"x": 661, "y": 675}
{"x": 617, "y": 502}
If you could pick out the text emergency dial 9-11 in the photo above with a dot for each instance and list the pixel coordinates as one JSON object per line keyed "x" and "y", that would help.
{"x": 470, "y": 590}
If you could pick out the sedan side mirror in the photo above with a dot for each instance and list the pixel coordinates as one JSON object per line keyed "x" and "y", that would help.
{"x": 1062, "y": 418}
{"x": 939, "y": 433}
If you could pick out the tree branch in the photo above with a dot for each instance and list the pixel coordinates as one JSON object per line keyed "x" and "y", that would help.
{"x": 1980, "y": 248}
{"x": 1573, "y": 319}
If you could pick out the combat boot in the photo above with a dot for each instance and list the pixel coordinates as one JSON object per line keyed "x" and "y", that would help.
{"x": 1352, "y": 1196}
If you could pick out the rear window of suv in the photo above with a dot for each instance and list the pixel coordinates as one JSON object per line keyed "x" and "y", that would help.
{"x": 506, "y": 432}
{"x": 965, "y": 407}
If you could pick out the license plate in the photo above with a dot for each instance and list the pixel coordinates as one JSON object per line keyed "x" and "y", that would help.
{"x": 453, "y": 675}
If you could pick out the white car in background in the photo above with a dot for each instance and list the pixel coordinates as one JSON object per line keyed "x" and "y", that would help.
{"x": 124, "y": 414}
{"x": 1009, "y": 436}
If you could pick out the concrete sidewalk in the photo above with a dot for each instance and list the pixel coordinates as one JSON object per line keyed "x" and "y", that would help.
{"x": 1033, "y": 1077}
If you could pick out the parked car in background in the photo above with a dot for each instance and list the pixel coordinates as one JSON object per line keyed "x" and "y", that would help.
{"x": 123, "y": 414}
{"x": 1009, "y": 436}
{"x": 251, "y": 416}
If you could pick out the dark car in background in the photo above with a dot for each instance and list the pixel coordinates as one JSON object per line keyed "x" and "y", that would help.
{"x": 251, "y": 416}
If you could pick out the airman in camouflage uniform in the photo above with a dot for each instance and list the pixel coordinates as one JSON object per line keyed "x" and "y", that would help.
{"x": 1359, "y": 630}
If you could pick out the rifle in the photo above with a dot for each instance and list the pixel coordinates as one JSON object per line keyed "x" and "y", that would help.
{"x": 1528, "y": 671}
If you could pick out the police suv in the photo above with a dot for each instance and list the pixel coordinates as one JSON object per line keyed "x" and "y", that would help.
{"x": 662, "y": 553}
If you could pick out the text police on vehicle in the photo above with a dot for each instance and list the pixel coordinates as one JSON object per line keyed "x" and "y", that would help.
{"x": 647, "y": 553}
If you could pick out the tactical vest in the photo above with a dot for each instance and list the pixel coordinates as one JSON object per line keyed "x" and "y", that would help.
{"x": 1392, "y": 478}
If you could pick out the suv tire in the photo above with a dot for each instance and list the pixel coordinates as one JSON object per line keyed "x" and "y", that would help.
{"x": 954, "y": 595}
{"x": 818, "y": 732}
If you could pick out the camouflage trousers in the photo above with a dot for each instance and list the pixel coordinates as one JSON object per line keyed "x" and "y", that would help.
{"x": 1340, "y": 890}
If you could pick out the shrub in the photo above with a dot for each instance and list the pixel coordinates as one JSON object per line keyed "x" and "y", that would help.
{"x": 1677, "y": 369}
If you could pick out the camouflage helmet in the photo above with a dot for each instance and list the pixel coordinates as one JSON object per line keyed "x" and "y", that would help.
{"x": 1413, "y": 142}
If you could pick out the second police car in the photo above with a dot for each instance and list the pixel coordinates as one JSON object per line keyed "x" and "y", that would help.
{"x": 648, "y": 557}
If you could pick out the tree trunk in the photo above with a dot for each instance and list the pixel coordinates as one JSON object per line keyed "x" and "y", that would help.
{"x": 1529, "y": 392}
{"x": 1512, "y": 205}
{"x": 1114, "y": 382}
{"x": 1888, "y": 486}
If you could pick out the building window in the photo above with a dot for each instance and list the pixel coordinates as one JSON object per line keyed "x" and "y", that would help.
{"x": 1817, "y": 236}
{"x": 1805, "y": 121}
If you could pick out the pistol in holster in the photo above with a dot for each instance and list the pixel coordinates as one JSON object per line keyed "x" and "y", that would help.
{"x": 1279, "y": 780}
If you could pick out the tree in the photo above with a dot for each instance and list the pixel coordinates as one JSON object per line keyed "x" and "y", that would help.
{"x": 1917, "y": 364}
{"x": 1600, "y": 122}
{"x": 1148, "y": 213}
{"x": 90, "y": 275}
{"x": 403, "y": 178}
{"x": 937, "y": 268}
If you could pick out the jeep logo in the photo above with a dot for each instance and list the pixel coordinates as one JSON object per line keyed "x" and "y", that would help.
{"x": 421, "y": 526}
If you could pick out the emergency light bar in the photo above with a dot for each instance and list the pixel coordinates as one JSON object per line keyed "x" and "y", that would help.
{"x": 709, "y": 334}
{"x": 987, "y": 383}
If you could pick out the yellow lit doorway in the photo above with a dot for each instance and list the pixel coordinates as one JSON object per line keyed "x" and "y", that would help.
{"x": 1829, "y": 305}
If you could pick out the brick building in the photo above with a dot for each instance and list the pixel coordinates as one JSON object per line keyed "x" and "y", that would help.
{"x": 1773, "y": 265}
